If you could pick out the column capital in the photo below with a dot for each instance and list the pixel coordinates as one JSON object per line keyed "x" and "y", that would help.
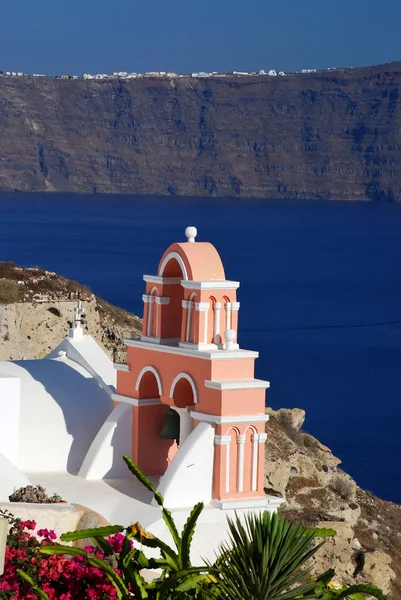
{"x": 241, "y": 439}
{"x": 162, "y": 300}
{"x": 221, "y": 440}
{"x": 235, "y": 305}
{"x": 201, "y": 306}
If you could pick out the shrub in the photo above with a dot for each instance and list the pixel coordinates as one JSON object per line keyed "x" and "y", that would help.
{"x": 34, "y": 493}
{"x": 343, "y": 486}
{"x": 9, "y": 291}
{"x": 58, "y": 576}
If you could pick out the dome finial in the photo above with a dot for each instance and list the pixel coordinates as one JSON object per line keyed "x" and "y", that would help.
{"x": 191, "y": 233}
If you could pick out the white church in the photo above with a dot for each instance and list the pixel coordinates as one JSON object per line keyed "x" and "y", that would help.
{"x": 66, "y": 420}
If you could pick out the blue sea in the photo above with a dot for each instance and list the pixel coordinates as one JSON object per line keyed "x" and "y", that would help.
{"x": 320, "y": 296}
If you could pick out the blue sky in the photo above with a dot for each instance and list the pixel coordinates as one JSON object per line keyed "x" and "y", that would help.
{"x": 78, "y": 36}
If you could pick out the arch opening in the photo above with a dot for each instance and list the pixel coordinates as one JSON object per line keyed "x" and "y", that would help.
{"x": 173, "y": 266}
{"x": 148, "y": 383}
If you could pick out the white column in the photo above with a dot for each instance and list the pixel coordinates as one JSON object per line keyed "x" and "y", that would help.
{"x": 225, "y": 440}
{"x": 150, "y": 315}
{"x": 146, "y": 300}
{"x": 241, "y": 439}
{"x": 258, "y": 438}
{"x": 189, "y": 315}
{"x": 216, "y": 323}
{"x": 157, "y": 320}
{"x": 160, "y": 300}
{"x": 228, "y": 315}
{"x": 255, "y": 440}
{"x": 203, "y": 307}
{"x": 186, "y": 423}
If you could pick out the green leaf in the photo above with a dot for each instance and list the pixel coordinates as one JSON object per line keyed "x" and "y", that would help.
{"x": 159, "y": 498}
{"x": 363, "y": 588}
{"x": 188, "y": 533}
{"x": 151, "y": 541}
{"x": 119, "y": 584}
{"x": 41, "y": 594}
{"x": 168, "y": 519}
{"x": 103, "y": 545}
{"x": 60, "y": 549}
{"x": 322, "y": 532}
{"x": 82, "y": 534}
{"x": 265, "y": 558}
{"x": 136, "y": 471}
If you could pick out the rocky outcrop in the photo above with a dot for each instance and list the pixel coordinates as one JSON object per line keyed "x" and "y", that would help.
{"x": 367, "y": 547}
{"x": 37, "y": 310}
{"x": 324, "y": 135}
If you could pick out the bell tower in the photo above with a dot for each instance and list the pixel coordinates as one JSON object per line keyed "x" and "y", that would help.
{"x": 188, "y": 360}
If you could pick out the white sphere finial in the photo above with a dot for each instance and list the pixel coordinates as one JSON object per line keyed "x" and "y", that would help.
{"x": 191, "y": 233}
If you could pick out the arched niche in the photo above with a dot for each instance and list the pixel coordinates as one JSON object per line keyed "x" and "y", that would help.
{"x": 148, "y": 383}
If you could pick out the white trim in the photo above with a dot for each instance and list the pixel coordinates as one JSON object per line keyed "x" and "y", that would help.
{"x": 178, "y": 258}
{"x": 267, "y": 502}
{"x": 136, "y": 401}
{"x": 228, "y": 452}
{"x": 216, "y": 323}
{"x": 150, "y": 316}
{"x": 157, "y": 332}
{"x": 222, "y": 440}
{"x": 122, "y": 367}
{"x": 168, "y": 342}
{"x": 162, "y": 280}
{"x": 206, "y": 325}
{"x": 155, "y": 373}
{"x": 262, "y": 437}
{"x": 189, "y": 315}
{"x": 146, "y": 298}
{"x": 259, "y": 418}
{"x": 191, "y": 381}
{"x": 228, "y": 317}
{"x": 202, "y": 306}
{"x": 185, "y": 303}
{"x": 200, "y": 346}
{"x": 241, "y": 439}
{"x": 221, "y": 284}
{"x": 217, "y": 355}
{"x": 235, "y": 305}
{"x": 238, "y": 384}
{"x": 255, "y": 461}
{"x": 162, "y": 300}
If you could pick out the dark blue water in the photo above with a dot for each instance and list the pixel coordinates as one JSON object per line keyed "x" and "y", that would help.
{"x": 320, "y": 297}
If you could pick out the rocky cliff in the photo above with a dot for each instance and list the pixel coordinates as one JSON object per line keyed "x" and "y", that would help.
{"x": 324, "y": 135}
{"x": 37, "y": 310}
{"x": 367, "y": 546}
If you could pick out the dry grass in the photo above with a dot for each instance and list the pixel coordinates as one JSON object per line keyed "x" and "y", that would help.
{"x": 342, "y": 485}
{"x": 9, "y": 291}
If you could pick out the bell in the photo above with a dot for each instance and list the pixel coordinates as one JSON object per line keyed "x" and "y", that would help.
{"x": 171, "y": 427}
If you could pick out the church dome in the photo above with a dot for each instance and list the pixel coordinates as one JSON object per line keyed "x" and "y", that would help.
{"x": 62, "y": 407}
{"x": 193, "y": 261}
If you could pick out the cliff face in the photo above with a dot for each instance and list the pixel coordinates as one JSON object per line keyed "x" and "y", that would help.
{"x": 37, "y": 310}
{"x": 367, "y": 545}
{"x": 327, "y": 135}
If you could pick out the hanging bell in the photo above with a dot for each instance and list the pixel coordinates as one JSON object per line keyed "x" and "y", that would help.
{"x": 171, "y": 427}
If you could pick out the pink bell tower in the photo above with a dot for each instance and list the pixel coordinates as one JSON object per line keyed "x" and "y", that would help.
{"x": 188, "y": 359}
